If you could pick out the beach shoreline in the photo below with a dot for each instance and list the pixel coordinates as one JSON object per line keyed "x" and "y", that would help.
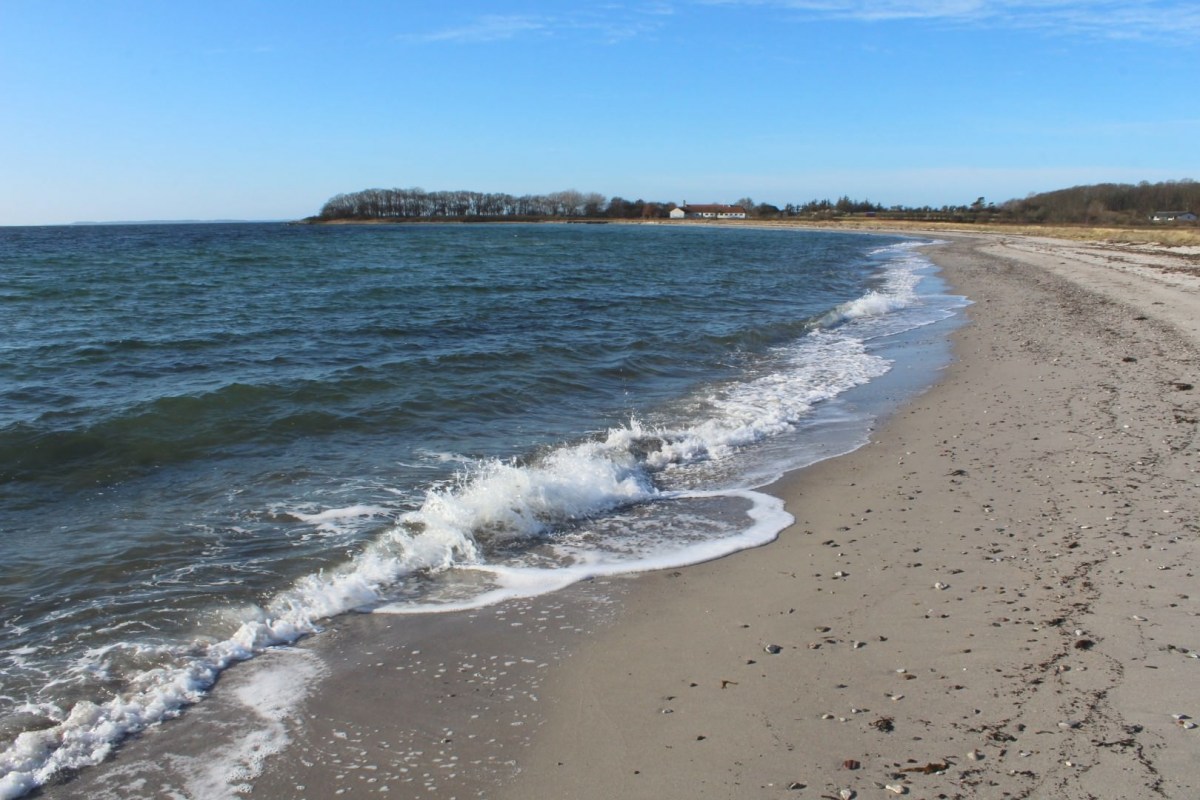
{"x": 984, "y": 587}
{"x": 991, "y": 599}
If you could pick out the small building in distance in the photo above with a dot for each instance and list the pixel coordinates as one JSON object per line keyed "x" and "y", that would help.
{"x": 1172, "y": 216}
{"x": 708, "y": 211}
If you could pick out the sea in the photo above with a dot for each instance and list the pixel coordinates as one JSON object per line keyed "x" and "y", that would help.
{"x": 215, "y": 439}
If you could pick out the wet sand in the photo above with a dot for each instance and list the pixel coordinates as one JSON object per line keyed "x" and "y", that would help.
{"x": 994, "y": 598}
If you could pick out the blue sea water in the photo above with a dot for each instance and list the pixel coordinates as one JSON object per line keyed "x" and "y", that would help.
{"x": 214, "y": 438}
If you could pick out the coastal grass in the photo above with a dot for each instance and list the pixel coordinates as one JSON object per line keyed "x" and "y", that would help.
{"x": 1162, "y": 236}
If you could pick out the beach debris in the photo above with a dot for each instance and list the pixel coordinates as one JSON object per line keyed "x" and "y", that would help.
{"x": 941, "y": 586}
{"x": 896, "y": 788}
{"x": 827, "y": 716}
{"x": 1070, "y": 724}
{"x": 1138, "y": 618}
{"x": 884, "y": 725}
{"x": 975, "y": 755}
{"x": 932, "y": 768}
{"x": 773, "y": 649}
{"x": 725, "y": 683}
{"x": 850, "y": 763}
{"x": 795, "y": 786}
{"x": 1084, "y": 644}
{"x": 847, "y": 794}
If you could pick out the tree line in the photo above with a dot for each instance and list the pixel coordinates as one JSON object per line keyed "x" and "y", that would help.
{"x": 1104, "y": 203}
{"x": 419, "y": 204}
{"x": 1098, "y": 204}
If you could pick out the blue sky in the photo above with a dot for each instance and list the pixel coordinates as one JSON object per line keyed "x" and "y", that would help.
{"x": 130, "y": 109}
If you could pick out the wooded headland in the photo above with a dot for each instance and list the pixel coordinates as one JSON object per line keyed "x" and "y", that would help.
{"x": 1099, "y": 205}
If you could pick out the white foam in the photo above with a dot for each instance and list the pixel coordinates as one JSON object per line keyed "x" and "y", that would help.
{"x": 899, "y": 289}
{"x": 768, "y": 519}
{"x": 89, "y": 731}
{"x": 271, "y": 696}
{"x": 333, "y": 515}
{"x": 819, "y": 368}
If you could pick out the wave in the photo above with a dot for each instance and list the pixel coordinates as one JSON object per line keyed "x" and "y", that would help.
{"x": 899, "y": 288}
{"x": 489, "y": 509}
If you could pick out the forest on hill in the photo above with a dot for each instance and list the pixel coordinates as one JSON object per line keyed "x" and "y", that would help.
{"x": 1105, "y": 203}
{"x": 1097, "y": 204}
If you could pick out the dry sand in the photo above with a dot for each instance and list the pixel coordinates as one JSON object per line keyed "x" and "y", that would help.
{"x": 995, "y": 598}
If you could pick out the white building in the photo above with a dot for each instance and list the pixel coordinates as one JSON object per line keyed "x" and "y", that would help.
{"x": 1172, "y": 216}
{"x": 709, "y": 211}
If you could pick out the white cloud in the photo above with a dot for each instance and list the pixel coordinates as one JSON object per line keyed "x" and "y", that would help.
{"x": 490, "y": 28}
{"x": 1162, "y": 20}
{"x": 608, "y": 24}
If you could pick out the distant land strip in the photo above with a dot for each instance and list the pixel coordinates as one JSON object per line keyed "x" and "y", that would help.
{"x": 1167, "y": 203}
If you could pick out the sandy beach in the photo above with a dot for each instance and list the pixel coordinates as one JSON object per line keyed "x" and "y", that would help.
{"x": 995, "y": 597}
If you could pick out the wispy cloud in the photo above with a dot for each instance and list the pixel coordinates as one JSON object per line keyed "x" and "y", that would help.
{"x": 489, "y": 28}
{"x": 608, "y": 24}
{"x": 1170, "y": 20}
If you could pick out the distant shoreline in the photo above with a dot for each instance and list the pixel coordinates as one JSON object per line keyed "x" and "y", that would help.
{"x": 1161, "y": 235}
